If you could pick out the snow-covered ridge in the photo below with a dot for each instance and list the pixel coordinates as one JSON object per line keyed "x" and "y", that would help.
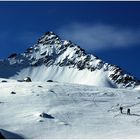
{"x": 64, "y": 61}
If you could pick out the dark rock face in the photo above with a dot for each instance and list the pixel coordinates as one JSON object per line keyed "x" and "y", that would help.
{"x": 12, "y": 55}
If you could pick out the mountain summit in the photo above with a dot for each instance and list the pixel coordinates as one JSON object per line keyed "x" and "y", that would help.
{"x": 64, "y": 61}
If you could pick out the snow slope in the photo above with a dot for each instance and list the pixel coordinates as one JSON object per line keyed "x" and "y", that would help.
{"x": 61, "y": 74}
{"x": 64, "y": 61}
{"x": 77, "y": 111}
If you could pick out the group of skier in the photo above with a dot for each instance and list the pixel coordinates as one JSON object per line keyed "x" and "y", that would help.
{"x": 128, "y": 110}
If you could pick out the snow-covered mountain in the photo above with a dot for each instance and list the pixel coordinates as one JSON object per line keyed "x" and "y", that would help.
{"x": 41, "y": 109}
{"x": 64, "y": 61}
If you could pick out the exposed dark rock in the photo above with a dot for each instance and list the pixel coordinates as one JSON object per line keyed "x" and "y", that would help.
{"x": 4, "y": 81}
{"x": 20, "y": 80}
{"x": 50, "y": 81}
{"x": 12, "y": 55}
{"x": 45, "y": 115}
{"x": 40, "y": 86}
{"x": 13, "y": 92}
{"x": 27, "y": 79}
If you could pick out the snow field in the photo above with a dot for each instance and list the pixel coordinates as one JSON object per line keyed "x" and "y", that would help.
{"x": 79, "y": 111}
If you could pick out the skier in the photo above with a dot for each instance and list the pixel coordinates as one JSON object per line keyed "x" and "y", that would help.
{"x": 121, "y": 108}
{"x": 128, "y": 111}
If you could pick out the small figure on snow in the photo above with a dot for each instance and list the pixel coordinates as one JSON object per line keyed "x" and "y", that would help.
{"x": 128, "y": 111}
{"x": 121, "y": 108}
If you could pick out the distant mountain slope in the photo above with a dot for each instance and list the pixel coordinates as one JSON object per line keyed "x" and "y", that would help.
{"x": 61, "y": 60}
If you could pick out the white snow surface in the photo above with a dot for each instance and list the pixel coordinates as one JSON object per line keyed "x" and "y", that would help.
{"x": 79, "y": 111}
{"x": 65, "y": 74}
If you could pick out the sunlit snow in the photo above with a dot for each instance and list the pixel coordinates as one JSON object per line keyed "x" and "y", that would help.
{"x": 78, "y": 111}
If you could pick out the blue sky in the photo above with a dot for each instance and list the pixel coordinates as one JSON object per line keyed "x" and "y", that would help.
{"x": 109, "y": 30}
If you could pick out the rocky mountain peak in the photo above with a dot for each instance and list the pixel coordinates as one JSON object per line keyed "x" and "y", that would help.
{"x": 50, "y": 50}
{"x": 47, "y": 37}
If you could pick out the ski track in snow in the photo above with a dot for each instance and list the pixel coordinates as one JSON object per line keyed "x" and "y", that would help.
{"x": 79, "y": 111}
